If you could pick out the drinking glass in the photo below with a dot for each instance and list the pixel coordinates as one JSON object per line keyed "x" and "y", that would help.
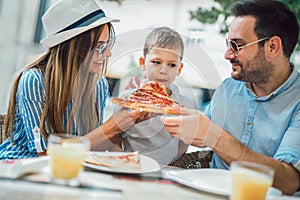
{"x": 67, "y": 154}
{"x": 250, "y": 180}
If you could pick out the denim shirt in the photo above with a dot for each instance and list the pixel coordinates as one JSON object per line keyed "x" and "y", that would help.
{"x": 269, "y": 125}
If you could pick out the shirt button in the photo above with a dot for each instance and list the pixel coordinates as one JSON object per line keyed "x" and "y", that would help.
{"x": 249, "y": 123}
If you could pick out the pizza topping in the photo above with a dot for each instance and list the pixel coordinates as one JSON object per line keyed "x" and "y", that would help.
{"x": 151, "y": 97}
{"x": 154, "y": 93}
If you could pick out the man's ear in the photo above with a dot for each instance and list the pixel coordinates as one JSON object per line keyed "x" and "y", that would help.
{"x": 180, "y": 69}
{"x": 142, "y": 63}
{"x": 274, "y": 46}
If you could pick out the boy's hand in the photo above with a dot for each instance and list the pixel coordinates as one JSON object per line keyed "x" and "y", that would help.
{"x": 133, "y": 83}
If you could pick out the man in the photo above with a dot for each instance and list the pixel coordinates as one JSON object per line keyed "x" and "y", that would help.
{"x": 254, "y": 115}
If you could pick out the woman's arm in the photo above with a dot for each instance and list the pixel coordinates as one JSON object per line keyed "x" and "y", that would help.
{"x": 30, "y": 102}
{"x": 106, "y": 136}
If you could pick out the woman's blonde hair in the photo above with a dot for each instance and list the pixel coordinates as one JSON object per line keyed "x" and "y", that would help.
{"x": 66, "y": 71}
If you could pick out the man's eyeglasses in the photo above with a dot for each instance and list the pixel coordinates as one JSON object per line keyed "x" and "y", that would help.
{"x": 236, "y": 48}
{"x": 102, "y": 47}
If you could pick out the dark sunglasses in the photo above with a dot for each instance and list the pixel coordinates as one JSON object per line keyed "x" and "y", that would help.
{"x": 102, "y": 47}
{"x": 236, "y": 48}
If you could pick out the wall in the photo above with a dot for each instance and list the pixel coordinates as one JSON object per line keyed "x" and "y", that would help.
{"x": 18, "y": 21}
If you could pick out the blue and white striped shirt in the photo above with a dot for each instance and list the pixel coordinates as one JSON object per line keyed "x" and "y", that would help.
{"x": 30, "y": 98}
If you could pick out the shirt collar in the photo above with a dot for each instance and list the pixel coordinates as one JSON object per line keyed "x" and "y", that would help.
{"x": 292, "y": 78}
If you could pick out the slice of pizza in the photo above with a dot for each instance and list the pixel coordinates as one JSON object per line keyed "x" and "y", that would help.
{"x": 151, "y": 97}
{"x": 124, "y": 161}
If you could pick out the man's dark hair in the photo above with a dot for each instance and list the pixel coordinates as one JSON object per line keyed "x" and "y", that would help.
{"x": 273, "y": 18}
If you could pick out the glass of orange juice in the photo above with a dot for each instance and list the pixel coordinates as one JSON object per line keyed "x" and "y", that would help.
{"x": 67, "y": 153}
{"x": 250, "y": 180}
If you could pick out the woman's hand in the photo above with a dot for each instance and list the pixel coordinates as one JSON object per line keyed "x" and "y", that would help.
{"x": 124, "y": 119}
{"x": 192, "y": 127}
{"x": 106, "y": 136}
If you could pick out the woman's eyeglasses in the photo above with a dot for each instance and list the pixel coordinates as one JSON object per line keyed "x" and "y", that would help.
{"x": 236, "y": 48}
{"x": 102, "y": 47}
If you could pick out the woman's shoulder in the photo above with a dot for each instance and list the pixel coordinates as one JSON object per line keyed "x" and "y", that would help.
{"x": 32, "y": 75}
{"x": 31, "y": 82}
{"x": 102, "y": 82}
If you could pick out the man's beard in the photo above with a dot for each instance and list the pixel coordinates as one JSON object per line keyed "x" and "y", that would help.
{"x": 258, "y": 70}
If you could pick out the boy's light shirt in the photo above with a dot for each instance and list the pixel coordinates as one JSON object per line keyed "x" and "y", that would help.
{"x": 150, "y": 138}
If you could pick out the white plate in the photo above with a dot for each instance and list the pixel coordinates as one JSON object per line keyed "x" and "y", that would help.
{"x": 147, "y": 165}
{"x": 216, "y": 181}
{"x": 209, "y": 180}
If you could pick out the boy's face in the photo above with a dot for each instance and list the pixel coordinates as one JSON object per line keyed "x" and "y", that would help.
{"x": 162, "y": 65}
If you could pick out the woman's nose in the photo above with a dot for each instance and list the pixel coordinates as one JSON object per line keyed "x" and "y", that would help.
{"x": 107, "y": 53}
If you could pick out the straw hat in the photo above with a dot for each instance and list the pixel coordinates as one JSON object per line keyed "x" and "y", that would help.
{"x": 68, "y": 18}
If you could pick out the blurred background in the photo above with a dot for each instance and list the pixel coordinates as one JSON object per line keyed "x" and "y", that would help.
{"x": 202, "y": 24}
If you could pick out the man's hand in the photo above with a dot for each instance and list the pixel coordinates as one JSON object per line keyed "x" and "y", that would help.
{"x": 192, "y": 127}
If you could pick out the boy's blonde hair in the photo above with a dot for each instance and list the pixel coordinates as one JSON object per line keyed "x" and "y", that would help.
{"x": 163, "y": 37}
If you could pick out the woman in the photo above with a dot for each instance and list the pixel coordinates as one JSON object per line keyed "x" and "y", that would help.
{"x": 63, "y": 90}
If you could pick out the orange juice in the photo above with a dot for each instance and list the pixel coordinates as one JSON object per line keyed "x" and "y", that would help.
{"x": 249, "y": 187}
{"x": 66, "y": 162}
{"x": 250, "y": 181}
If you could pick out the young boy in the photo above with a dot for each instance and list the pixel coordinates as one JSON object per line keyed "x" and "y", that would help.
{"x": 163, "y": 52}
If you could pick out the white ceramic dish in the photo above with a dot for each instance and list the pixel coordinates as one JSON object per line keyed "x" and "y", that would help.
{"x": 209, "y": 180}
{"x": 216, "y": 181}
{"x": 147, "y": 165}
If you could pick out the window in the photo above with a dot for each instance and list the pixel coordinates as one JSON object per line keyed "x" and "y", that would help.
{"x": 39, "y": 31}
{"x": 1, "y": 2}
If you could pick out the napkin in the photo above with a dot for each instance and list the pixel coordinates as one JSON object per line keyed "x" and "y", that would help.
{"x": 16, "y": 168}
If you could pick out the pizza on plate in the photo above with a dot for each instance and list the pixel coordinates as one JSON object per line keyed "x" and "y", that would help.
{"x": 125, "y": 161}
{"x": 151, "y": 97}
